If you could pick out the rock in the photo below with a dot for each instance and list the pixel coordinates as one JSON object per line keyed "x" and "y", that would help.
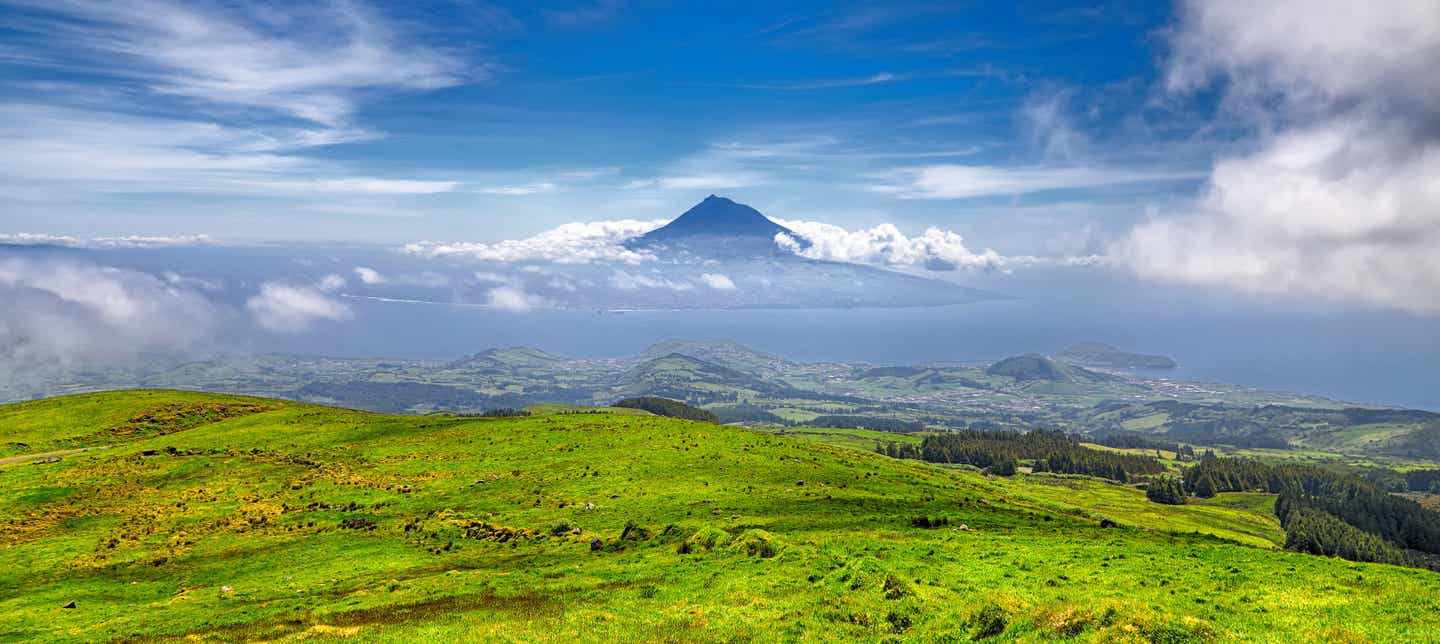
{"x": 226, "y": 589}
{"x": 589, "y": 506}
{"x": 69, "y": 604}
{"x": 596, "y": 544}
{"x": 1108, "y": 523}
{"x": 614, "y": 496}
{"x": 965, "y": 527}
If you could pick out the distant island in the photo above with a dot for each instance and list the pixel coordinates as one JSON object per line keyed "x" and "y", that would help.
{"x": 1097, "y": 354}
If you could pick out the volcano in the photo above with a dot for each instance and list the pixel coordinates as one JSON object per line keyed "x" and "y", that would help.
{"x": 718, "y": 227}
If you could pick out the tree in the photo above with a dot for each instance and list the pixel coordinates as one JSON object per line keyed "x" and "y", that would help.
{"x": 1205, "y": 487}
{"x": 1166, "y": 489}
{"x": 1003, "y": 467}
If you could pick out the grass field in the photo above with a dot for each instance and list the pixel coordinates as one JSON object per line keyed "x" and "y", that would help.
{"x": 214, "y": 517}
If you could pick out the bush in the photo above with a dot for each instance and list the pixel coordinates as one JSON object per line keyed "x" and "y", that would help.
{"x": 987, "y": 622}
{"x": 896, "y": 588}
{"x": 706, "y": 538}
{"x": 757, "y": 543}
{"x": 929, "y": 522}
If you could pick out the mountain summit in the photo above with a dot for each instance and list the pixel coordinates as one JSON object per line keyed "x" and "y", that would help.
{"x": 716, "y": 217}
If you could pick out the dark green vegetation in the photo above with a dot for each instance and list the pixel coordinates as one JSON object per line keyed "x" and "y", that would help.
{"x": 667, "y": 408}
{"x": 1043, "y": 450}
{"x": 1096, "y": 354}
{"x": 741, "y": 385}
{"x": 291, "y": 521}
{"x": 1329, "y": 513}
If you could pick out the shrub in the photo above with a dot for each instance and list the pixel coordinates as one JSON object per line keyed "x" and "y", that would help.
{"x": 929, "y": 522}
{"x": 987, "y": 622}
{"x": 896, "y": 588}
{"x": 757, "y": 542}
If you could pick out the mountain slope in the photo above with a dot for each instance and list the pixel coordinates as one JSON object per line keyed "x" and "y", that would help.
{"x": 1097, "y": 354}
{"x": 298, "y": 521}
{"x": 1032, "y": 366}
{"x": 717, "y": 217}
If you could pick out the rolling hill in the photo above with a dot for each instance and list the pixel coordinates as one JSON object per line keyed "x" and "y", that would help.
{"x": 222, "y": 517}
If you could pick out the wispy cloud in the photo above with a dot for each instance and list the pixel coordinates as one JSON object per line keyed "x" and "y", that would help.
{"x": 261, "y": 87}
{"x": 519, "y": 190}
{"x": 305, "y": 61}
{"x": 969, "y": 181}
{"x": 125, "y": 241}
{"x": 879, "y": 78}
{"x": 585, "y": 15}
{"x": 106, "y": 152}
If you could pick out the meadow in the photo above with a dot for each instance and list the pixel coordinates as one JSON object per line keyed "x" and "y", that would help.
{"x": 229, "y": 518}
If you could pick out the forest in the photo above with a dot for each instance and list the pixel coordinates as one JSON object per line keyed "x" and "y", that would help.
{"x": 1046, "y": 451}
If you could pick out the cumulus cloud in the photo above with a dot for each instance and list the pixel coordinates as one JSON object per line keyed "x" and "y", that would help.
{"x": 886, "y": 245}
{"x": 1338, "y": 196}
{"x": 513, "y": 299}
{"x": 369, "y": 275}
{"x": 574, "y": 243}
{"x": 62, "y": 312}
{"x": 718, "y": 281}
{"x": 290, "y": 308}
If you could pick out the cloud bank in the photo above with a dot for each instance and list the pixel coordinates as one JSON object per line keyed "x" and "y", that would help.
{"x": 574, "y": 243}
{"x": 1338, "y": 198}
{"x": 58, "y": 313}
{"x": 885, "y": 245}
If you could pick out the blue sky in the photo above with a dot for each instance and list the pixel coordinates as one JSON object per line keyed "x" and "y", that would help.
{"x": 1285, "y": 148}
{"x": 512, "y": 118}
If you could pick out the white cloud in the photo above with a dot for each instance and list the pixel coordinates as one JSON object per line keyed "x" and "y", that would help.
{"x": 632, "y": 281}
{"x": 885, "y": 245}
{"x": 259, "y": 83}
{"x": 718, "y": 281}
{"x": 574, "y": 243}
{"x": 369, "y": 275}
{"x": 519, "y": 190}
{"x": 103, "y": 152}
{"x": 513, "y": 299}
{"x": 290, "y": 308}
{"x": 712, "y": 181}
{"x": 127, "y": 241}
{"x": 331, "y": 282}
{"x": 1338, "y": 196}
{"x": 953, "y": 181}
{"x": 61, "y": 312}
{"x": 306, "y": 61}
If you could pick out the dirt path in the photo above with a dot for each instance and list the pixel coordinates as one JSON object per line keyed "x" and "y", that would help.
{"x": 64, "y": 452}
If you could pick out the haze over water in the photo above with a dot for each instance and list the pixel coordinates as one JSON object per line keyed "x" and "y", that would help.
{"x": 1369, "y": 357}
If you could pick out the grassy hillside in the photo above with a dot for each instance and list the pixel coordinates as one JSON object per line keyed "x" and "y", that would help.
{"x": 289, "y": 520}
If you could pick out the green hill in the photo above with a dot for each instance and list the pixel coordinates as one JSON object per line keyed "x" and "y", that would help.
{"x": 1032, "y": 366}
{"x": 236, "y": 518}
{"x": 1097, "y": 354}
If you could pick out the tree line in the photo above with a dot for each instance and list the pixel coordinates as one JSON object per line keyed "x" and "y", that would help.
{"x": 1407, "y": 532}
{"x": 1047, "y": 450}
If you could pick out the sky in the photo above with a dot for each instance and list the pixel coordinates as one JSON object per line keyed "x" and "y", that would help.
{"x": 1286, "y": 149}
